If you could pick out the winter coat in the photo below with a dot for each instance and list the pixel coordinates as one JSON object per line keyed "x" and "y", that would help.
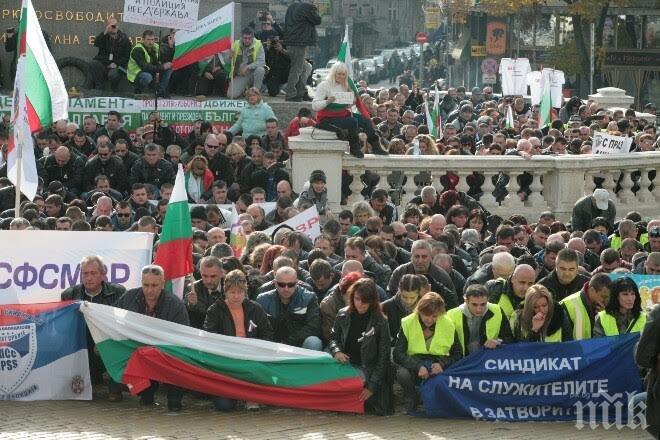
{"x": 142, "y": 172}
{"x": 296, "y": 321}
{"x": 375, "y": 354}
{"x": 168, "y": 308}
{"x": 119, "y": 47}
{"x": 113, "y": 169}
{"x": 560, "y": 291}
{"x": 300, "y": 24}
{"x": 252, "y": 120}
{"x": 219, "y": 320}
{"x": 205, "y": 299}
{"x": 647, "y": 355}
{"x": 109, "y": 295}
{"x": 440, "y": 280}
{"x": 71, "y": 174}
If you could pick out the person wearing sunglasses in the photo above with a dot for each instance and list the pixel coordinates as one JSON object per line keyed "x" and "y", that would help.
{"x": 293, "y": 311}
{"x": 111, "y": 61}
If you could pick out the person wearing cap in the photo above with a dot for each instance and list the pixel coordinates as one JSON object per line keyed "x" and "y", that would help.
{"x": 589, "y": 207}
{"x": 317, "y": 193}
{"x": 248, "y": 64}
{"x": 465, "y": 115}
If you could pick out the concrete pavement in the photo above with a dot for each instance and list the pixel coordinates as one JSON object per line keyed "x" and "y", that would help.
{"x": 101, "y": 420}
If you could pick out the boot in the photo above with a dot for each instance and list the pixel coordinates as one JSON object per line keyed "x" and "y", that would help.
{"x": 374, "y": 141}
{"x": 355, "y": 150}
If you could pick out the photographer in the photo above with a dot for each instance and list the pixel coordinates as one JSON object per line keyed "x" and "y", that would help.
{"x": 279, "y": 63}
{"x": 300, "y": 22}
{"x": 114, "y": 50}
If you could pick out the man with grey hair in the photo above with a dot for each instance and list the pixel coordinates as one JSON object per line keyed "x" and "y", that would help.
{"x": 94, "y": 288}
{"x": 205, "y": 291}
{"x": 19, "y": 224}
{"x": 153, "y": 300}
{"x": 293, "y": 311}
{"x": 501, "y": 266}
{"x": 429, "y": 197}
{"x": 444, "y": 261}
{"x": 420, "y": 264}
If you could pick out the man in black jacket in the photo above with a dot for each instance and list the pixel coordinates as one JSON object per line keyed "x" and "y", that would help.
{"x": 64, "y": 167}
{"x": 299, "y": 32}
{"x": 647, "y": 355}
{"x": 152, "y": 300}
{"x": 565, "y": 278}
{"x": 108, "y": 165}
{"x": 112, "y": 59}
{"x": 152, "y": 169}
{"x": 95, "y": 289}
{"x": 205, "y": 291}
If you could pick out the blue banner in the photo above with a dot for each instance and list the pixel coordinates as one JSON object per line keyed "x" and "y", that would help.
{"x": 43, "y": 352}
{"x": 590, "y": 379}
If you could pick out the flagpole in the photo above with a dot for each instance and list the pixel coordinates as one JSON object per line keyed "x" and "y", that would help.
{"x": 17, "y": 187}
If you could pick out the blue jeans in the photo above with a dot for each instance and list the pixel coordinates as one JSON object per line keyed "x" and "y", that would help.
{"x": 144, "y": 79}
{"x": 312, "y": 343}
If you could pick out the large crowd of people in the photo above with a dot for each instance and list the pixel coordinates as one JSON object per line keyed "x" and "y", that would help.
{"x": 399, "y": 292}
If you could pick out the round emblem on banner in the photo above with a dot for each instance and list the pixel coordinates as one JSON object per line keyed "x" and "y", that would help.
{"x": 489, "y": 66}
{"x": 77, "y": 384}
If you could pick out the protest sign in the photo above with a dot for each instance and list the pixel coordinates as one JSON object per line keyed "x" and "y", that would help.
{"x": 537, "y": 381}
{"x": 307, "y": 222}
{"x": 44, "y": 353}
{"x": 180, "y": 114}
{"x": 607, "y": 144}
{"x": 175, "y": 14}
{"x": 42, "y": 264}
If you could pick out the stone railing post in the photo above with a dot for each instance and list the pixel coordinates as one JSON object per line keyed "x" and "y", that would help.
{"x": 564, "y": 185}
{"x": 316, "y": 149}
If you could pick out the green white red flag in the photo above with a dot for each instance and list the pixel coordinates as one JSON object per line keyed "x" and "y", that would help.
{"x": 237, "y": 239}
{"x": 545, "y": 111}
{"x": 40, "y": 98}
{"x": 174, "y": 252}
{"x": 433, "y": 118}
{"x": 227, "y": 366}
{"x": 212, "y": 35}
{"x": 344, "y": 56}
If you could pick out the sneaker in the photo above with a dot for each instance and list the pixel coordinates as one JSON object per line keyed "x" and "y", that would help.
{"x": 357, "y": 152}
{"x": 252, "y": 406}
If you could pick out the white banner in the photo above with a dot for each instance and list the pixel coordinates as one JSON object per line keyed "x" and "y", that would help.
{"x": 175, "y": 14}
{"x": 607, "y": 144}
{"x": 36, "y": 266}
{"x": 307, "y": 222}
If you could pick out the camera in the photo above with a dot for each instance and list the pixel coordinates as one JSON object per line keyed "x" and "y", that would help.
{"x": 11, "y": 30}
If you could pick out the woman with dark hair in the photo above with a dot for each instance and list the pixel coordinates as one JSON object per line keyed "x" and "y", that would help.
{"x": 457, "y": 215}
{"x": 478, "y": 221}
{"x": 411, "y": 289}
{"x": 360, "y": 336}
{"x": 623, "y": 314}
{"x": 412, "y": 215}
{"x": 234, "y": 314}
{"x": 540, "y": 319}
{"x": 427, "y": 344}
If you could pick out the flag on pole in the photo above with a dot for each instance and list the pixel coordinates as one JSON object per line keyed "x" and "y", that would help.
{"x": 138, "y": 349}
{"x": 545, "y": 111}
{"x": 433, "y": 118}
{"x": 237, "y": 239}
{"x": 509, "y": 117}
{"x": 344, "y": 56}
{"x": 212, "y": 35}
{"x": 40, "y": 98}
{"x": 174, "y": 253}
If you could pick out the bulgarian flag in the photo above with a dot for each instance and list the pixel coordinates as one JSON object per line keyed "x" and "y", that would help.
{"x": 212, "y": 35}
{"x": 545, "y": 111}
{"x": 509, "y": 117}
{"x": 137, "y": 348}
{"x": 433, "y": 118}
{"x": 174, "y": 253}
{"x": 345, "y": 57}
{"x": 40, "y": 98}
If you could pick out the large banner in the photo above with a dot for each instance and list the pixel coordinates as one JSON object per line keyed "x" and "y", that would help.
{"x": 586, "y": 381}
{"x": 178, "y": 113}
{"x": 35, "y": 266}
{"x": 43, "y": 352}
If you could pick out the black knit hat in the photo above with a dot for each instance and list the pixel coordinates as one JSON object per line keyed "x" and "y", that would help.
{"x": 317, "y": 175}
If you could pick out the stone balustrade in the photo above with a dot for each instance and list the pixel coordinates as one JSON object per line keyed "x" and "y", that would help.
{"x": 549, "y": 182}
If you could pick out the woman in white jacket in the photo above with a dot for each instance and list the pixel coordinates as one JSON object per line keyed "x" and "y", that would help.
{"x": 338, "y": 118}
